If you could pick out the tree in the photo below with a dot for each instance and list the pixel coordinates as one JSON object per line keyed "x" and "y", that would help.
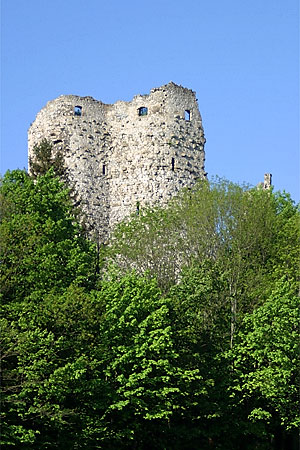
{"x": 44, "y": 158}
{"x": 42, "y": 245}
{"x": 198, "y": 359}
{"x": 267, "y": 364}
{"x": 285, "y": 259}
{"x": 225, "y": 247}
{"x": 235, "y": 227}
{"x": 100, "y": 369}
{"x": 43, "y": 250}
{"x": 202, "y": 323}
{"x": 47, "y": 369}
{"x": 150, "y": 387}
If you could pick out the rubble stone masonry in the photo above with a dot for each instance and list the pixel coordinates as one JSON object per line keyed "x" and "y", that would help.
{"x": 123, "y": 156}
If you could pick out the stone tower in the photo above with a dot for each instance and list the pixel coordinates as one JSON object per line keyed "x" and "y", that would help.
{"x": 123, "y": 156}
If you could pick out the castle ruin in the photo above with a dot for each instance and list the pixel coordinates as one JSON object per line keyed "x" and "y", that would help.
{"x": 123, "y": 156}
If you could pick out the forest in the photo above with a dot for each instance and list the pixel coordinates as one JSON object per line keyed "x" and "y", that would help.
{"x": 182, "y": 333}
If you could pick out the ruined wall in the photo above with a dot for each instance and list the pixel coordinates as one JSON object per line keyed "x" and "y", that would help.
{"x": 120, "y": 157}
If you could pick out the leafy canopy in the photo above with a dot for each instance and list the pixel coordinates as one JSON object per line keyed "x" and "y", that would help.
{"x": 41, "y": 244}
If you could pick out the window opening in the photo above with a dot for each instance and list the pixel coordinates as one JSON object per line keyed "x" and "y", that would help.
{"x": 173, "y": 164}
{"x": 137, "y": 208}
{"x": 187, "y": 115}
{"x": 77, "y": 110}
{"x": 104, "y": 169}
{"x": 143, "y": 111}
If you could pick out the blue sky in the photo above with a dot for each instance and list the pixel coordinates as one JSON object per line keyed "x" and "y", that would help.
{"x": 240, "y": 56}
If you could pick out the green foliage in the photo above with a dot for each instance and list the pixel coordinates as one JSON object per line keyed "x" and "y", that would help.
{"x": 205, "y": 357}
{"x": 152, "y": 386}
{"x": 237, "y": 229}
{"x": 97, "y": 368}
{"x": 224, "y": 247}
{"x": 218, "y": 221}
{"x": 44, "y": 158}
{"x": 41, "y": 245}
{"x": 201, "y": 305}
{"x": 266, "y": 357}
{"x": 286, "y": 253}
{"x": 46, "y": 368}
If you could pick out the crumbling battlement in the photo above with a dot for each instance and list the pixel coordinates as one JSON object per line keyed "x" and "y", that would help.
{"x": 123, "y": 156}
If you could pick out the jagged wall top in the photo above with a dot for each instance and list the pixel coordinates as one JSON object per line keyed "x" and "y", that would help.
{"x": 175, "y": 96}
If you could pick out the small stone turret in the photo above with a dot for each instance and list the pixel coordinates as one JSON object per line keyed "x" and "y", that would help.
{"x": 267, "y": 180}
{"x": 267, "y": 183}
{"x": 123, "y": 156}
